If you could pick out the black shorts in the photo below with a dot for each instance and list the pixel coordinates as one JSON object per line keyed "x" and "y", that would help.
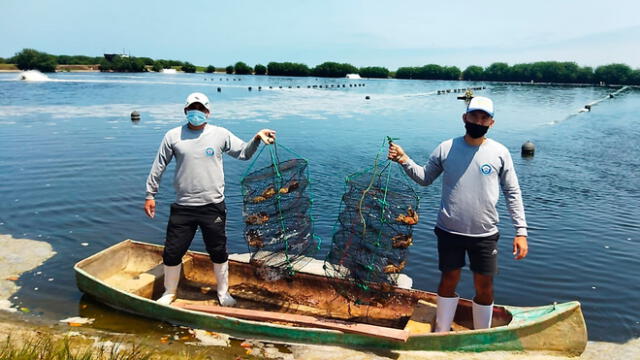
{"x": 483, "y": 252}
{"x": 183, "y": 222}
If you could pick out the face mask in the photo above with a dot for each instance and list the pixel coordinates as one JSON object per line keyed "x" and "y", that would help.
{"x": 475, "y": 130}
{"x": 196, "y": 117}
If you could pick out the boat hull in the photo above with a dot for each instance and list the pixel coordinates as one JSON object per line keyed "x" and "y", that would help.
{"x": 558, "y": 328}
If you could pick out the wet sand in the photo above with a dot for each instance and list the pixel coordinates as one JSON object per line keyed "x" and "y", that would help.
{"x": 594, "y": 351}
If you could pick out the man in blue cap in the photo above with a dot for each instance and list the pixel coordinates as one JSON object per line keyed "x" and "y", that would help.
{"x": 199, "y": 183}
{"x": 474, "y": 169}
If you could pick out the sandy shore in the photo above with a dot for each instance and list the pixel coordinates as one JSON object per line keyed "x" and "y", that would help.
{"x": 204, "y": 343}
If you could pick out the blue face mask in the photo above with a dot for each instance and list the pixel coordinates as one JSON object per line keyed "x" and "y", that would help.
{"x": 196, "y": 117}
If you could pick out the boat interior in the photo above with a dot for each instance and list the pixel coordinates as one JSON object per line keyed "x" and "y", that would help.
{"x": 136, "y": 268}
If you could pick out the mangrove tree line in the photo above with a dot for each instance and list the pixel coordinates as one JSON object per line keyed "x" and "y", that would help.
{"x": 542, "y": 71}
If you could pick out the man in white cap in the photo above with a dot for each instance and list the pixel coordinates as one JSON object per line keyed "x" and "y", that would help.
{"x": 474, "y": 169}
{"x": 199, "y": 183}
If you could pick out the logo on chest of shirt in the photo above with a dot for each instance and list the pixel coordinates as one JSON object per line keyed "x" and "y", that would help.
{"x": 486, "y": 169}
{"x": 209, "y": 151}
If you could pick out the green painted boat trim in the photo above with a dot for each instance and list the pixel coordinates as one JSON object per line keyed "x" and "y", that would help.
{"x": 557, "y": 328}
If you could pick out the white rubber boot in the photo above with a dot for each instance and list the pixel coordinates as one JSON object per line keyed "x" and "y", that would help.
{"x": 446, "y": 311}
{"x": 482, "y": 316}
{"x": 222, "y": 279}
{"x": 171, "y": 279}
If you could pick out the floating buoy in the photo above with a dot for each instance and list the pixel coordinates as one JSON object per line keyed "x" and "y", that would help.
{"x": 528, "y": 149}
{"x": 135, "y": 116}
{"x": 367, "y": 97}
{"x": 249, "y": 88}
{"x": 219, "y": 89}
{"x": 259, "y": 88}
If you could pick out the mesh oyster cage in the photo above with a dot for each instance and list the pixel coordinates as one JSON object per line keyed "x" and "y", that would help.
{"x": 277, "y": 205}
{"x": 373, "y": 232}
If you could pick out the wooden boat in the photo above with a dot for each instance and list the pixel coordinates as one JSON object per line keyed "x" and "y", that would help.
{"x": 307, "y": 309}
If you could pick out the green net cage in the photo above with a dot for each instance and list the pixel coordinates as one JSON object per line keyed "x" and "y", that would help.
{"x": 277, "y": 204}
{"x": 373, "y": 233}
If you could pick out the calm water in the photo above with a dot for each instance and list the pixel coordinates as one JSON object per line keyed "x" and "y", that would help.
{"x": 73, "y": 170}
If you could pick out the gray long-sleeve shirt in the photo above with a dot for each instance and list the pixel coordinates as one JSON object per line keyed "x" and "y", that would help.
{"x": 473, "y": 176}
{"x": 199, "y": 177}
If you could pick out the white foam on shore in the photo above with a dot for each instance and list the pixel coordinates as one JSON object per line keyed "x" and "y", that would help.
{"x": 77, "y": 320}
{"x": 209, "y": 338}
{"x": 17, "y": 257}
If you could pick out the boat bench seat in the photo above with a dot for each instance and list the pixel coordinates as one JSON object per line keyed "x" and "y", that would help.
{"x": 144, "y": 284}
{"x": 423, "y": 319}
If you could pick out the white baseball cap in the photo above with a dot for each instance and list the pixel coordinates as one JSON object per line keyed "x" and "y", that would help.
{"x": 197, "y": 97}
{"x": 481, "y": 103}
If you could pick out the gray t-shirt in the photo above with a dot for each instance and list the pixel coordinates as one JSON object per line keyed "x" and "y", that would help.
{"x": 473, "y": 176}
{"x": 199, "y": 177}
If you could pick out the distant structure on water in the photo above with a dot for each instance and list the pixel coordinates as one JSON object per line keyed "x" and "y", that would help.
{"x": 353, "y": 76}
{"x": 111, "y": 57}
{"x": 169, "y": 71}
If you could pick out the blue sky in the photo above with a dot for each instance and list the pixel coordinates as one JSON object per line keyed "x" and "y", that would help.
{"x": 364, "y": 33}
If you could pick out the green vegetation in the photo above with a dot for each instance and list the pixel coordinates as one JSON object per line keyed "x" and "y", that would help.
{"x": 555, "y": 72}
{"x": 616, "y": 74}
{"x": 30, "y": 59}
{"x": 45, "y": 348}
{"x": 188, "y": 67}
{"x": 241, "y": 68}
{"x": 147, "y": 60}
{"x": 168, "y": 64}
{"x": 472, "y": 72}
{"x": 260, "y": 69}
{"x": 287, "y": 69}
{"x": 122, "y": 64}
{"x": 374, "y": 72}
{"x": 429, "y": 72}
{"x": 543, "y": 71}
{"x": 78, "y": 60}
{"x": 333, "y": 69}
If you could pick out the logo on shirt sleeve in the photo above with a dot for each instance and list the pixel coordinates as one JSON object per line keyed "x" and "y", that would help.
{"x": 209, "y": 151}
{"x": 486, "y": 169}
